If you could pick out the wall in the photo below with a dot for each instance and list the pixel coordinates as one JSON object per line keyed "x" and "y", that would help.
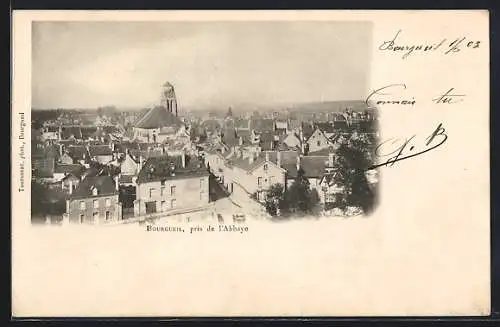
{"x": 317, "y": 136}
{"x": 128, "y": 167}
{"x": 74, "y": 211}
{"x": 188, "y": 194}
{"x": 250, "y": 181}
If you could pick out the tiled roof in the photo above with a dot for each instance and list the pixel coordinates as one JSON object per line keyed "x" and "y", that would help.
{"x": 262, "y": 125}
{"x": 287, "y": 158}
{"x": 67, "y": 132}
{"x": 88, "y": 132}
{"x": 157, "y": 117}
{"x": 307, "y": 130}
{"x": 268, "y": 141}
{"x": 77, "y": 152}
{"x": 229, "y": 137}
{"x": 100, "y": 150}
{"x": 105, "y": 185}
{"x": 313, "y": 166}
{"x": 325, "y": 127}
{"x": 75, "y": 169}
{"x": 368, "y": 126}
{"x": 160, "y": 168}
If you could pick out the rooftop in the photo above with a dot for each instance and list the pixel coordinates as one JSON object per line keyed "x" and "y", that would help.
{"x": 170, "y": 167}
{"x": 105, "y": 185}
{"x": 157, "y": 117}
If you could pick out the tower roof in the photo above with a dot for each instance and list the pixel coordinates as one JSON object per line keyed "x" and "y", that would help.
{"x": 156, "y": 118}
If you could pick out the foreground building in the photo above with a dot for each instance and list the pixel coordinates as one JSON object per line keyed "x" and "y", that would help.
{"x": 171, "y": 183}
{"x": 94, "y": 201}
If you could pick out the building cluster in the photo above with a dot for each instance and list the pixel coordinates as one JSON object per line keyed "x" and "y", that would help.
{"x": 161, "y": 163}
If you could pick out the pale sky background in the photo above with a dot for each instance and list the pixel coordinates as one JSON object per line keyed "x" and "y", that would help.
{"x": 91, "y": 64}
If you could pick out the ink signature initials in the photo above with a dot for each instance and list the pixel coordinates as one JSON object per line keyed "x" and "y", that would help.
{"x": 408, "y": 147}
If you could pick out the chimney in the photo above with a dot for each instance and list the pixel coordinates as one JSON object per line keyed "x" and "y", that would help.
{"x": 330, "y": 160}
{"x": 278, "y": 158}
{"x": 298, "y": 163}
{"x": 183, "y": 156}
{"x": 117, "y": 185}
{"x": 70, "y": 186}
{"x": 141, "y": 161}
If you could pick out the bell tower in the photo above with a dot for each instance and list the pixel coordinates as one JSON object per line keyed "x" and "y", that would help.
{"x": 168, "y": 99}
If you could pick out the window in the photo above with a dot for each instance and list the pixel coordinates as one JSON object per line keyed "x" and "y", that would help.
{"x": 173, "y": 204}
{"x": 95, "y": 216}
{"x": 151, "y": 192}
{"x": 163, "y": 206}
{"x": 81, "y": 218}
{"x": 96, "y": 203}
{"x": 202, "y": 195}
{"x": 108, "y": 215}
{"x": 271, "y": 180}
{"x": 265, "y": 167}
{"x": 82, "y": 205}
{"x": 259, "y": 181}
{"x": 318, "y": 143}
{"x": 202, "y": 183}
{"x": 172, "y": 190}
{"x": 162, "y": 191}
{"x": 108, "y": 202}
{"x": 94, "y": 191}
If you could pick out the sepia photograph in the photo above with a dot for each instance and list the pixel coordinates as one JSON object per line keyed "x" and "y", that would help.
{"x": 284, "y": 163}
{"x": 144, "y": 122}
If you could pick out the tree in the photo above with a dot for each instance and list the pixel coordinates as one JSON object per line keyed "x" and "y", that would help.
{"x": 354, "y": 158}
{"x": 299, "y": 197}
{"x": 274, "y": 201}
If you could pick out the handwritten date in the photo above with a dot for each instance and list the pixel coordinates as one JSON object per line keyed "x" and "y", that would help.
{"x": 444, "y": 45}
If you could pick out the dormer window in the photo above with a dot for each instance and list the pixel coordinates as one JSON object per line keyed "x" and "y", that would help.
{"x": 94, "y": 191}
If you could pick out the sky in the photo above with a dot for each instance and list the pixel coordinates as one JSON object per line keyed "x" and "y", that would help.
{"x": 92, "y": 64}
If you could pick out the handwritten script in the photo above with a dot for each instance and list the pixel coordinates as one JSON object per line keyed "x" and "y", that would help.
{"x": 398, "y": 149}
{"x": 444, "y": 46}
{"x": 395, "y": 94}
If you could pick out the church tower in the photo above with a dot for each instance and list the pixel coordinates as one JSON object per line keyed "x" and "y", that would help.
{"x": 168, "y": 100}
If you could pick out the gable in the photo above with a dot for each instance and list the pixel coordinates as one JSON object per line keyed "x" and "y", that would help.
{"x": 272, "y": 169}
{"x": 318, "y": 136}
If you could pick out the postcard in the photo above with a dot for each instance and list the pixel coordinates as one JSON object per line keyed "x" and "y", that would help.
{"x": 250, "y": 163}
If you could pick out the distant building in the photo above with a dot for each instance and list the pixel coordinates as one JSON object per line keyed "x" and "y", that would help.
{"x": 171, "y": 183}
{"x": 43, "y": 160}
{"x": 103, "y": 154}
{"x": 94, "y": 201}
{"x": 318, "y": 141}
